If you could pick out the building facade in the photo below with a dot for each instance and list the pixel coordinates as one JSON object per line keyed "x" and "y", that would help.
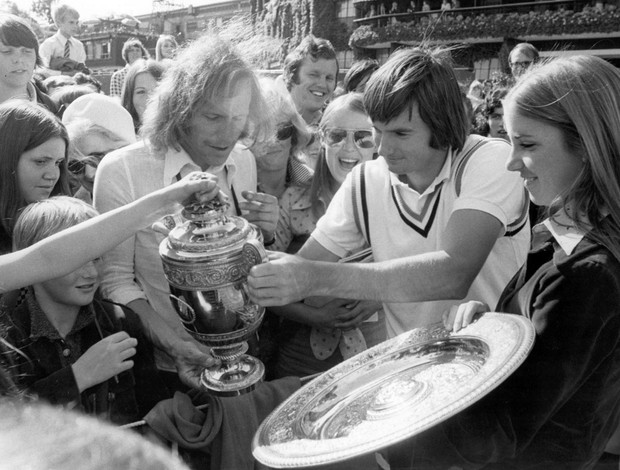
{"x": 484, "y": 30}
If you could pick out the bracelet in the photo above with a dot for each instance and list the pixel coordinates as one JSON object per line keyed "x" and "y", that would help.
{"x": 270, "y": 242}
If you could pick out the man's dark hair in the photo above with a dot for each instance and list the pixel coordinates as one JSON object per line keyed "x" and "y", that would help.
{"x": 315, "y": 48}
{"x": 494, "y": 100}
{"x": 426, "y": 77}
{"x": 359, "y": 71}
{"x": 131, "y": 42}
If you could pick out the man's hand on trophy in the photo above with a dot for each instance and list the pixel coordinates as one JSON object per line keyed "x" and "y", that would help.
{"x": 191, "y": 359}
{"x": 262, "y": 210}
{"x": 281, "y": 281}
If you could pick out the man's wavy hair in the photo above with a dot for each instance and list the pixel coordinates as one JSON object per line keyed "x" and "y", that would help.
{"x": 310, "y": 46}
{"x": 131, "y": 42}
{"x": 205, "y": 70}
{"x": 426, "y": 77}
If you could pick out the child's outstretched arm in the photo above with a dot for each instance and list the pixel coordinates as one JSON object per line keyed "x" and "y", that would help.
{"x": 68, "y": 250}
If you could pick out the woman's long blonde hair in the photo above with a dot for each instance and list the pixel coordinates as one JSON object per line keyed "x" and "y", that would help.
{"x": 580, "y": 95}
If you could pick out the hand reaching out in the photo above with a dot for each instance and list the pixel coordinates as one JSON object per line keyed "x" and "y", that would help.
{"x": 197, "y": 185}
{"x": 191, "y": 359}
{"x": 459, "y": 316}
{"x": 281, "y": 281}
{"x": 104, "y": 359}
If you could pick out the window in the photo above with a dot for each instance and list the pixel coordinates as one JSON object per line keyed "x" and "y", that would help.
{"x": 105, "y": 50}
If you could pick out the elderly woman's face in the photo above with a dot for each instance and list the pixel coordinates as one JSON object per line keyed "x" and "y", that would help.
{"x": 348, "y": 141}
{"x": 273, "y": 153}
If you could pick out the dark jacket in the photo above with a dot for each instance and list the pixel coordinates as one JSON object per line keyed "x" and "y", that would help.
{"x": 45, "y": 368}
{"x": 559, "y": 409}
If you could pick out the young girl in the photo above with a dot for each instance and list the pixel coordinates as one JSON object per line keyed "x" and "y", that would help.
{"x": 560, "y": 408}
{"x": 140, "y": 81}
{"x": 34, "y": 161}
{"x": 347, "y": 140}
{"x": 165, "y": 48}
{"x": 340, "y": 151}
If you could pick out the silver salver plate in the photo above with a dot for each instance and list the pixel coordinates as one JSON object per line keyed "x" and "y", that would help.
{"x": 392, "y": 391}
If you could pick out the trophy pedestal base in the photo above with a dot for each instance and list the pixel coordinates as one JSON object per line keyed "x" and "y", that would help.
{"x": 234, "y": 378}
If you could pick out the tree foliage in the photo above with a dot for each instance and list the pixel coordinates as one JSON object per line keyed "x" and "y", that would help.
{"x": 292, "y": 20}
{"x": 8, "y": 6}
{"x": 43, "y": 10}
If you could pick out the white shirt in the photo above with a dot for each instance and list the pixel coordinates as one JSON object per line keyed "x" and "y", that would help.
{"x": 403, "y": 222}
{"x": 54, "y": 46}
{"x": 133, "y": 270}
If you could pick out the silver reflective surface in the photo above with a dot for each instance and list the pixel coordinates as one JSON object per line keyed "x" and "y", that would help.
{"x": 206, "y": 260}
{"x": 392, "y": 391}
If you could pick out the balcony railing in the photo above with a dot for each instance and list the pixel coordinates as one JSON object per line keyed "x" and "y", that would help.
{"x": 521, "y": 7}
{"x": 528, "y": 19}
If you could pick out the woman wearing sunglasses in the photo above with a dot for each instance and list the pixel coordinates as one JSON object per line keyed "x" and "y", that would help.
{"x": 308, "y": 343}
{"x": 278, "y": 153}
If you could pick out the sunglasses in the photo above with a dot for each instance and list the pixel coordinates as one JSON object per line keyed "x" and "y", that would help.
{"x": 285, "y": 131}
{"x": 77, "y": 166}
{"x": 520, "y": 64}
{"x": 335, "y": 137}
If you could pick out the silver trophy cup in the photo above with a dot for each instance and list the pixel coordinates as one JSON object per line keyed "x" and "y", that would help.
{"x": 206, "y": 261}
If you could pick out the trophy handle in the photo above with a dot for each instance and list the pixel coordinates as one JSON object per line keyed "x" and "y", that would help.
{"x": 254, "y": 252}
{"x": 186, "y": 312}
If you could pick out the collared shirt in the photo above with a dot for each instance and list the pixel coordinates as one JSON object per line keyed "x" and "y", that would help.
{"x": 298, "y": 172}
{"x": 42, "y": 328}
{"x": 403, "y": 222}
{"x": 117, "y": 81}
{"x": 54, "y": 46}
{"x": 133, "y": 270}
{"x": 563, "y": 230}
{"x": 560, "y": 407}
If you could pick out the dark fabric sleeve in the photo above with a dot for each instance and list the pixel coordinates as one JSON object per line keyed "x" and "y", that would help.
{"x": 569, "y": 383}
{"x": 559, "y": 402}
{"x": 59, "y": 388}
{"x": 150, "y": 387}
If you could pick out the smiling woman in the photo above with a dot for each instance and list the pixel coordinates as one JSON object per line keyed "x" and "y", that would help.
{"x": 346, "y": 141}
{"x": 33, "y": 164}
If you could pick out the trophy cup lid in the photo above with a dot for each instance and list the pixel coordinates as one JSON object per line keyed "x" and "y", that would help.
{"x": 208, "y": 231}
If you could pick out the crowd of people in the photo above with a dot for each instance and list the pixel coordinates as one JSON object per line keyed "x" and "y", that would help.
{"x": 388, "y": 203}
